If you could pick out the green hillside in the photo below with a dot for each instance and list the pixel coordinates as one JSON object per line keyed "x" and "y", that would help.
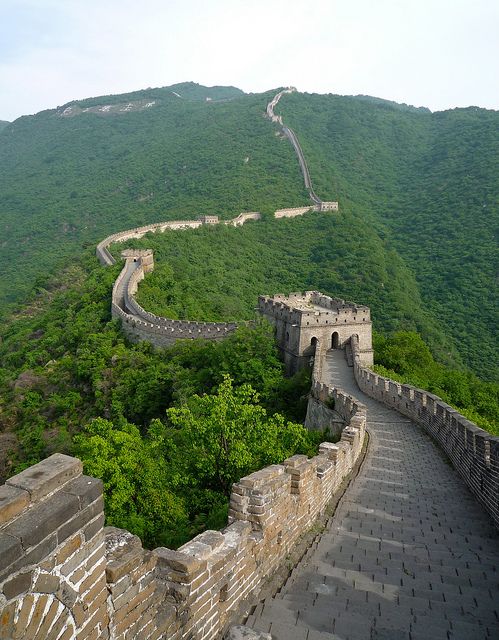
{"x": 66, "y": 181}
{"x": 429, "y": 184}
{"x": 3, "y": 124}
{"x": 413, "y": 240}
{"x": 418, "y": 195}
{"x": 217, "y": 273}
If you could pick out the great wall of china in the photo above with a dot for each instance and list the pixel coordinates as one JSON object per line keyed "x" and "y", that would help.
{"x": 391, "y": 563}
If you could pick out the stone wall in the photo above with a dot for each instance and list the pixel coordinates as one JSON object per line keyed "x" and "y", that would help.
{"x": 52, "y": 554}
{"x": 292, "y": 212}
{"x": 302, "y": 319}
{"x": 63, "y": 576}
{"x": 473, "y": 452}
{"x": 138, "y": 324}
{"x": 104, "y": 255}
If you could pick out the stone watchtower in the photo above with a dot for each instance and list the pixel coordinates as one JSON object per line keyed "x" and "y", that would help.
{"x": 307, "y": 321}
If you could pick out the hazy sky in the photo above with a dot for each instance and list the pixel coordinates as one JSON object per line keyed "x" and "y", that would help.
{"x": 436, "y": 53}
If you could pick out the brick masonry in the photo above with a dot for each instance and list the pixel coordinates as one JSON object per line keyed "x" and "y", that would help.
{"x": 473, "y": 452}
{"x": 65, "y": 576}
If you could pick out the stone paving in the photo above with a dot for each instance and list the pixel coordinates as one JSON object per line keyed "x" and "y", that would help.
{"x": 409, "y": 554}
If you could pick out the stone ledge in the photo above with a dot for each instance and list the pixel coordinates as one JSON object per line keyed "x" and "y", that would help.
{"x": 47, "y": 476}
{"x": 12, "y": 501}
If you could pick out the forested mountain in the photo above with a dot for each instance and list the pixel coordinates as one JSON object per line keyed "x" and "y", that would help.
{"x": 428, "y": 184}
{"x": 68, "y": 177}
{"x": 414, "y": 239}
{"x": 3, "y": 124}
{"x": 422, "y": 187}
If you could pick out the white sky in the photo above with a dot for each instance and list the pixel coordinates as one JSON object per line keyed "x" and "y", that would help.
{"x": 436, "y": 53}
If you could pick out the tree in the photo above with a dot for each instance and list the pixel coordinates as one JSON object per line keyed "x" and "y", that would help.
{"x": 137, "y": 483}
{"x": 228, "y": 435}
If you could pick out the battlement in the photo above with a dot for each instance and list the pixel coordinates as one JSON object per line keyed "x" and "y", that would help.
{"x": 64, "y": 576}
{"x": 209, "y": 219}
{"x": 292, "y": 212}
{"x": 300, "y": 308}
{"x": 327, "y": 206}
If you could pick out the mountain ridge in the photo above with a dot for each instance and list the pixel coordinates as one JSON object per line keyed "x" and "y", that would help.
{"x": 67, "y": 182}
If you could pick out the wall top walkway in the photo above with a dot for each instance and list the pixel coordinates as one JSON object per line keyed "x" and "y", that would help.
{"x": 410, "y": 554}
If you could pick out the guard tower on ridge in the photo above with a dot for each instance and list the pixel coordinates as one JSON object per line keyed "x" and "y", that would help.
{"x": 306, "y": 321}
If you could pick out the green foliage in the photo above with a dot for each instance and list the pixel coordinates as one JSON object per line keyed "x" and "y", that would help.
{"x": 427, "y": 184}
{"x": 67, "y": 182}
{"x": 66, "y": 364}
{"x": 136, "y": 478}
{"x": 406, "y": 358}
{"x": 414, "y": 240}
{"x": 228, "y": 435}
{"x": 416, "y": 190}
{"x": 217, "y": 273}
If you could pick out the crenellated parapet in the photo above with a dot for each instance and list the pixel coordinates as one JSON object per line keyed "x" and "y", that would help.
{"x": 473, "y": 452}
{"x": 52, "y": 554}
{"x": 139, "y": 324}
{"x": 64, "y": 576}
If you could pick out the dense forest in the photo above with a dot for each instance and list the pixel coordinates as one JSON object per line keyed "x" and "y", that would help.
{"x": 68, "y": 181}
{"x": 216, "y": 273}
{"x": 69, "y": 382}
{"x": 421, "y": 185}
{"x": 414, "y": 239}
{"x": 428, "y": 183}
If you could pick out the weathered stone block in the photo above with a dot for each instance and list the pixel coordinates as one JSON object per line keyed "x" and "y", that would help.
{"x": 241, "y": 632}
{"x": 94, "y": 527}
{"x": 123, "y": 564}
{"x": 67, "y": 595}
{"x": 47, "y": 476}
{"x": 12, "y": 501}
{"x": 18, "y": 584}
{"x": 34, "y": 556}
{"x": 10, "y": 550}
{"x": 47, "y": 583}
{"x": 69, "y": 547}
{"x": 295, "y": 461}
{"x": 178, "y": 561}
{"x": 81, "y": 518}
{"x": 87, "y": 489}
{"x": 43, "y": 519}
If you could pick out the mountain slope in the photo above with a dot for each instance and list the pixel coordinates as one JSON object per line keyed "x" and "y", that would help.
{"x": 429, "y": 183}
{"x": 417, "y": 192}
{"x": 68, "y": 177}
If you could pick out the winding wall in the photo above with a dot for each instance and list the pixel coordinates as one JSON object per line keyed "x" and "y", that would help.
{"x": 290, "y": 134}
{"x": 473, "y": 452}
{"x": 139, "y": 324}
{"x": 63, "y": 576}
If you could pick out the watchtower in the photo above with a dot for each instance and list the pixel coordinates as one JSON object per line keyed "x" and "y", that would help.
{"x": 144, "y": 256}
{"x": 305, "y": 321}
{"x": 209, "y": 219}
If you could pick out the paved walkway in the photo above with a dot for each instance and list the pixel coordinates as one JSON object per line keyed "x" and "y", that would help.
{"x": 410, "y": 554}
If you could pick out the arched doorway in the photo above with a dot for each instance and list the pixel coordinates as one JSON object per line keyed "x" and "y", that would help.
{"x": 335, "y": 340}
{"x": 311, "y": 351}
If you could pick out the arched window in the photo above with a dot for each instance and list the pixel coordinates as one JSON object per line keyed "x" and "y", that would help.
{"x": 335, "y": 340}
